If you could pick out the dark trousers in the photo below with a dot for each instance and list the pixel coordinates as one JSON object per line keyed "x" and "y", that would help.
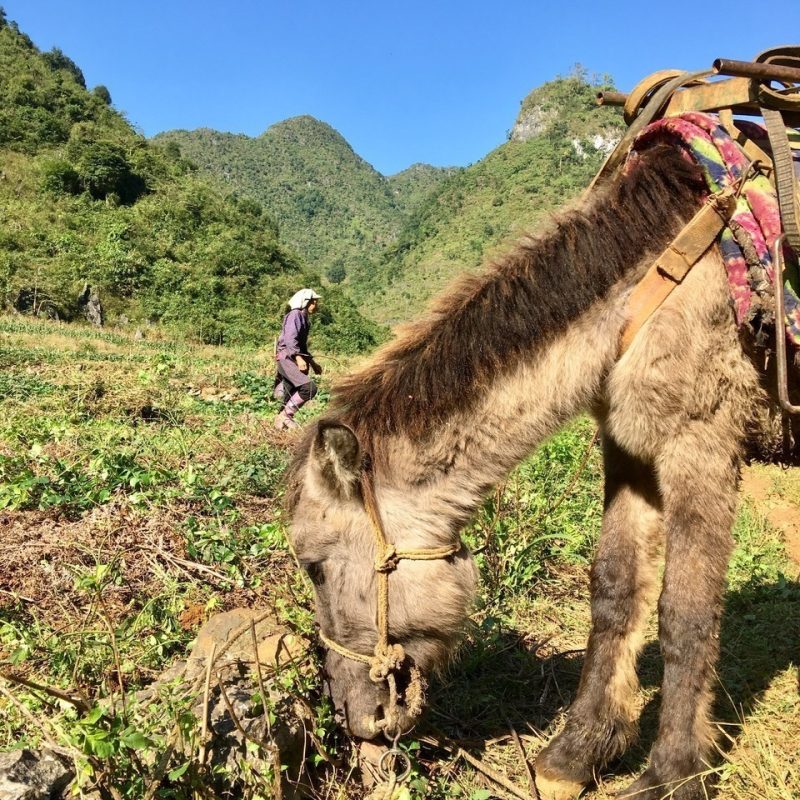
{"x": 294, "y": 387}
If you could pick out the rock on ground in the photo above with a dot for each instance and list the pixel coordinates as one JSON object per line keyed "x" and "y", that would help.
{"x": 33, "y": 775}
{"x": 241, "y": 742}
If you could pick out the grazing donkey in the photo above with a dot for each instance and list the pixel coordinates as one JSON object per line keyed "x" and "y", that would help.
{"x": 447, "y": 409}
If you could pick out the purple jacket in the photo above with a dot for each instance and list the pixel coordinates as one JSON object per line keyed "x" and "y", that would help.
{"x": 293, "y": 340}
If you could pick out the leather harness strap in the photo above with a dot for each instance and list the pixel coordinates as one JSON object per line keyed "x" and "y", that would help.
{"x": 749, "y": 147}
{"x": 672, "y": 266}
{"x": 656, "y": 92}
{"x": 643, "y": 91}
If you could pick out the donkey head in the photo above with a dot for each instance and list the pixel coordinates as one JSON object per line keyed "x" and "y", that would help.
{"x": 333, "y": 538}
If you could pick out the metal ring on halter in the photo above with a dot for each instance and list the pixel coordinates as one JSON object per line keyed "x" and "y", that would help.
{"x": 398, "y": 755}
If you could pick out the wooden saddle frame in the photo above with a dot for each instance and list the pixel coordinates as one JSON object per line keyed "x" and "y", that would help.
{"x": 747, "y": 89}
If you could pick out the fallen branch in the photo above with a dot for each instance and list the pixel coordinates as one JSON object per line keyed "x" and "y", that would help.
{"x": 40, "y": 724}
{"x": 458, "y": 752}
{"x": 518, "y": 742}
{"x": 18, "y": 596}
{"x": 206, "y": 694}
{"x": 80, "y": 704}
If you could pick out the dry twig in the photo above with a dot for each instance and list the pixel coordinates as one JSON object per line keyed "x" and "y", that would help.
{"x": 206, "y": 693}
{"x": 482, "y": 767}
{"x": 80, "y": 704}
{"x": 518, "y": 742}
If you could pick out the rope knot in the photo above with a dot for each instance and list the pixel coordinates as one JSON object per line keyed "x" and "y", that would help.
{"x": 387, "y": 561}
{"x": 386, "y": 661}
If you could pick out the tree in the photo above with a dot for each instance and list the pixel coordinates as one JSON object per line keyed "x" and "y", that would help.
{"x": 104, "y": 170}
{"x": 60, "y": 177}
{"x": 172, "y": 150}
{"x": 336, "y": 272}
{"x": 102, "y": 93}
{"x": 56, "y": 59}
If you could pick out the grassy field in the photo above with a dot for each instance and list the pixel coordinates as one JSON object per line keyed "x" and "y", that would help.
{"x": 140, "y": 494}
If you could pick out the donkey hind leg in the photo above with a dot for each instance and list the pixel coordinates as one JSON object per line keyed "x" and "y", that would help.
{"x": 698, "y": 476}
{"x": 602, "y": 721}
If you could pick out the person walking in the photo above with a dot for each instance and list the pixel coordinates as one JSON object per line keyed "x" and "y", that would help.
{"x": 293, "y": 385}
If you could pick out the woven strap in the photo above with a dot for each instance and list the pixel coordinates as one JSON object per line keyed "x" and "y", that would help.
{"x": 344, "y": 651}
{"x": 785, "y": 180}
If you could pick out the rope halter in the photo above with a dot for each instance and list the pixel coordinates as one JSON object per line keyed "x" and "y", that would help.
{"x": 388, "y": 658}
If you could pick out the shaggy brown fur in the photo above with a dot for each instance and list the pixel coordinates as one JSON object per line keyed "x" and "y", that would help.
{"x": 485, "y": 323}
{"x": 462, "y": 397}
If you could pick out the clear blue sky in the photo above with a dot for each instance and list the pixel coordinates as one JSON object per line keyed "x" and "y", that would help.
{"x": 409, "y": 81}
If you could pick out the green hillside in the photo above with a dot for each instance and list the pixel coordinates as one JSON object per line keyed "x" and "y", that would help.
{"x": 393, "y": 242}
{"x": 333, "y": 208}
{"x": 87, "y": 200}
{"x": 557, "y": 144}
{"x": 413, "y": 185}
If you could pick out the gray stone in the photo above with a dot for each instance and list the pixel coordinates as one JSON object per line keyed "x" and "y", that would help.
{"x": 531, "y": 123}
{"x": 90, "y": 305}
{"x": 228, "y": 749}
{"x": 33, "y": 775}
{"x": 276, "y": 646}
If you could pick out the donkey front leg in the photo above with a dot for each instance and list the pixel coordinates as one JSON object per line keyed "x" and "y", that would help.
{"x": 698, "y": 477}
{"x": 603, "y": 718}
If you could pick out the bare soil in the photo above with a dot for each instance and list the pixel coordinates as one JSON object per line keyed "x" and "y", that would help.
{"x": 759, "y": 484}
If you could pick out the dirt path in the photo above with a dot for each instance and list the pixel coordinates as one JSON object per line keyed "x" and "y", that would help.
{"x": 773, "y": 490}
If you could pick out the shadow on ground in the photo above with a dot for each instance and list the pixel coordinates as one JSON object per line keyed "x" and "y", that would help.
{"x": 502, "y": 681}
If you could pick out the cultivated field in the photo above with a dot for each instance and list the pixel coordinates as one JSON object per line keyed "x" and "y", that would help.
{"x": 140, "y": 488}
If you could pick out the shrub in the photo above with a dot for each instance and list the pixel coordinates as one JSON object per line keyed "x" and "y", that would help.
{"x": 102, "y": 93}
{"x": 60, "y": 177}
{"x": 57, "y": 60}
{"x": 104, "y": 170}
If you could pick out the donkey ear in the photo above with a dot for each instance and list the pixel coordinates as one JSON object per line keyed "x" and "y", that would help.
{"x": 336, "y": 455}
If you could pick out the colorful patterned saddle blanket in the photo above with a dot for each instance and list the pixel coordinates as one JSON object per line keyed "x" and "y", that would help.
{"x": 747, "y": 241}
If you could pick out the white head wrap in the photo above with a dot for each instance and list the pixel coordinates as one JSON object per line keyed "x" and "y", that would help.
{"x": 302, "y": 298}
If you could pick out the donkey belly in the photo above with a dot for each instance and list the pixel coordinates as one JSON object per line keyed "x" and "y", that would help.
{"x": 685, "y": 367}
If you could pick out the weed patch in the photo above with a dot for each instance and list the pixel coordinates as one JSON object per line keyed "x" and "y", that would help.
{"x": 21, "y": 386}
{"x": 125, "y": 528}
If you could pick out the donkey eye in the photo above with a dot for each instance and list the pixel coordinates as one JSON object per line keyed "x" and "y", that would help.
{"x": 315, "y": 572}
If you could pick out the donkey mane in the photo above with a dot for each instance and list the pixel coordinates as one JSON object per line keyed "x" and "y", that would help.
{"x": 483, "y": 324}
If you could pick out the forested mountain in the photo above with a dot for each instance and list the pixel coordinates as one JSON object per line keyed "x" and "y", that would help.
{"x": 413, "y": 185}
{"x": 335, "y": 209}
{"x": 85, "y": 199}
{"x": 209, "y": 232}
{"x": 394, "y": 241}
{"x": 556, "y": 145}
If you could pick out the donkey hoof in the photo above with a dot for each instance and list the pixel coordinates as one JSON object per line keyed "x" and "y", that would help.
{"x": 649, "y": 786}
{"x": 557, "y": 789}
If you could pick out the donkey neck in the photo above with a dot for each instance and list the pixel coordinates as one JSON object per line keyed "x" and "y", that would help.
{"x": 505, "y": 358}
{"x": 428, "y": 487}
